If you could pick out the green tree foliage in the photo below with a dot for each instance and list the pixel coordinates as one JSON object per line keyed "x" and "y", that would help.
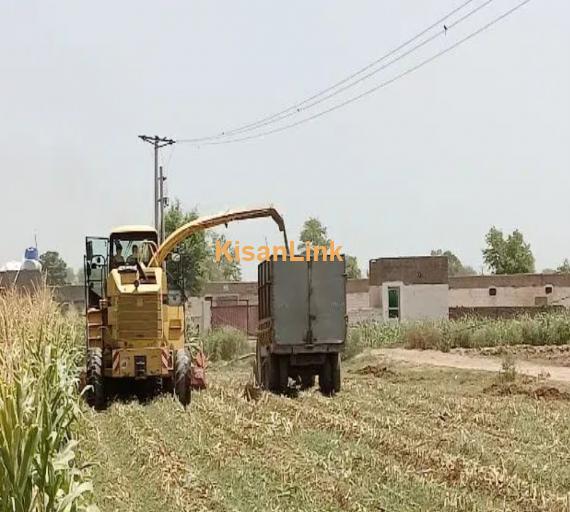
{"x": 511, "y": 255}
{"x": 564, "y": 268}
{"x": 193, "y": 251}
{"x": 352, "y": 269}
{"x": 54, "y": 268}
{"x": 455, "y": 267}
{"x": 197, "y": 263}
{"x": 313, "y": 231}
{"x": 223, "y": 270}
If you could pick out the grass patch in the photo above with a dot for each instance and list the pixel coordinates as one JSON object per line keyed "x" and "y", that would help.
{"x": 542, "y": 329}
{"x": 224, "y": 344}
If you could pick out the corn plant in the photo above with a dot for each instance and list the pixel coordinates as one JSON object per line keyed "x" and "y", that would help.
{"x": 39, "y": 404}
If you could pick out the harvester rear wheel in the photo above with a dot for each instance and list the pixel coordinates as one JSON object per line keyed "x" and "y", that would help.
{"x": 95, "y": 394}
{"x": 182, "y": 388}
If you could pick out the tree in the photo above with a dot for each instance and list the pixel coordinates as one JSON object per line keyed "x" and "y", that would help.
{"x": 507, "y": 256}
{"x": 564, "y": 268}
{"x": 54, "y": 268}
{"x": 197, "y": 263}
{"x": 314, "y": 232}
{"x": 455, "y": 267}
{"x": 192, "y": 251}
{"x": 223, "y": 270}
{"x": 352, "y": 269}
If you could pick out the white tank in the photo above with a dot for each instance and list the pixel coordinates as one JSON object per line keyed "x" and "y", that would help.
{"x": 31, "y": 265}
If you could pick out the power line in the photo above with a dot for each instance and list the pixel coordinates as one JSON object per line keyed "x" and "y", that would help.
{"x": 262, "y": 122}
{"x": 376, "y": 71}
{"x": 377, "y": 87}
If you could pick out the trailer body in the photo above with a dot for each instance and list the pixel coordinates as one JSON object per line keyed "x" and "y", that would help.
{"x": 303, "y": 323}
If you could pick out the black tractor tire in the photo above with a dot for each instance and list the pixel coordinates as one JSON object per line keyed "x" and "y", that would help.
{"x": 182, "y": 388}
{"x": 326, "y": 377}
{"x": 336, "y": 374}
{"x": 95, "y": 393}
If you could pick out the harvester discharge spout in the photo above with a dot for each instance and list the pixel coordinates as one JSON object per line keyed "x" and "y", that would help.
{"x": 211, "y": 221}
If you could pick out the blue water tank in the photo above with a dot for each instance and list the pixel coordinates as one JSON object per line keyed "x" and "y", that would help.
{"x": 31, "y": 253}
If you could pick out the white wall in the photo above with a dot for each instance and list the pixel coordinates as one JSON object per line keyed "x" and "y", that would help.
{"x": 510, "y": 296}
{"x": 418, "y": 301}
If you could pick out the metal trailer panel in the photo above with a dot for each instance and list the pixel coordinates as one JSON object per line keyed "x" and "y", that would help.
{"x": 307, "y": 303}
{"x": 290, "y": 302}
{"x": 328, "y": 301}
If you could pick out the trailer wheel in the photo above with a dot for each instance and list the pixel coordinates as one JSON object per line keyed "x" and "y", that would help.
{"x": 182, "y": 388}
{"x": 335, "y": 360}
{"x": 326, "y": 377}
{"x": 95, "y": 394}
{"x": 272, "y": 369}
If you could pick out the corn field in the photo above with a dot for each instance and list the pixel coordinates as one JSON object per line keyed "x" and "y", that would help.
{"x": 542, "y": 329}
{"x": 40, "y": 355}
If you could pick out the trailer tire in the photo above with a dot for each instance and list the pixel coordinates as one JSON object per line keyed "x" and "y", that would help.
{"x": 336, "y": 376}
{"x": 182, "y": 389}
{"x": 272, "y": 368}
{"x": 95, "y": 394}
{"x": 326, "y": 377}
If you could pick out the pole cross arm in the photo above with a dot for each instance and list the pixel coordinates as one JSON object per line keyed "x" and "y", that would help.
{"x": 203, "y": 223}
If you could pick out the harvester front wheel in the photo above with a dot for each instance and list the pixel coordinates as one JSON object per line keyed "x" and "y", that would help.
{"x": 95, "y": 394}
{"x": 182, "y": 388}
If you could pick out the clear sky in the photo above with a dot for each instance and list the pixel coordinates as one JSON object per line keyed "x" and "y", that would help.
{"x": 480, "y": 136}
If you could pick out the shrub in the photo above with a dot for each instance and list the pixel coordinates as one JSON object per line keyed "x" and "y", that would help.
{"x": 424, "y": 335}
{"x": 354, "y": 344}
{"x": 543, "y": 329}
{"x": 224, "y": 344}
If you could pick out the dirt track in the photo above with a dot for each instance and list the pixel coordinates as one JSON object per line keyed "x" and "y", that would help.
{"x": 467, "y": 362}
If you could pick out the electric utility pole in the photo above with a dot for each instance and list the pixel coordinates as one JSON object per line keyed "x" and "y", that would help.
{"x": 158, "y": 143}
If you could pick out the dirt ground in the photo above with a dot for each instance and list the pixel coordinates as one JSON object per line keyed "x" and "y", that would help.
{"x": 399, "y": 437}
{"x": 471, "y": 360}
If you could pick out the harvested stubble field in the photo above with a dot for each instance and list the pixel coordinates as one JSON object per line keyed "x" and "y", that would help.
{"x": 395, "y": 439}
